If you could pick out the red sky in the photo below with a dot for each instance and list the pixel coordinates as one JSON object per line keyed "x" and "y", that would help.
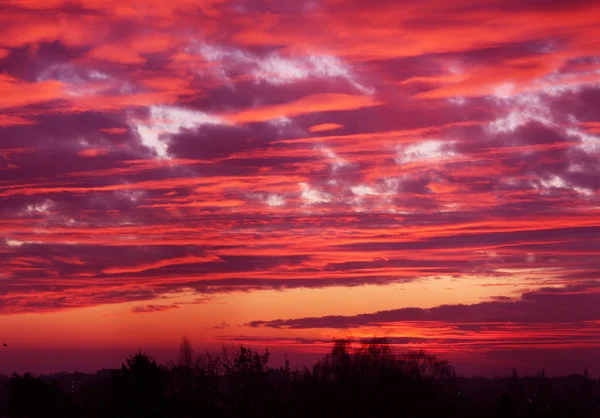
{"x": 283, "y": 173}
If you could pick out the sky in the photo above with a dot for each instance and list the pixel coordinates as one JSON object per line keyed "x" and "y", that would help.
{"x": 281, "y": 173}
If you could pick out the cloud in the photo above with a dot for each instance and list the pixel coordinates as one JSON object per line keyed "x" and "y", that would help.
{"x": 116, "y": 53}
{"x": 8, "y": 120}
{"x": 543, "y": 306}
{"x": 165, "y": 120}
{"x": 323, "y": 102}
{"x": 362, "y": 190}
{"x": 312, "y": 196}
{"x": 336, "y": 161}
{"x": 429, "y": 150}
{"x": 161, "y": 263}
{"x": 92, "y": 152}
{"x": 153, "y": 308}
{"x": 17, "y": 93}
{"x": 275, "y": 200}
{"x": 325, "y": 127}
{"x": 277, "y": 69}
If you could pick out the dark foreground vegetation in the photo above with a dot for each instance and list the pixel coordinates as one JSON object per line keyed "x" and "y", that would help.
{"x": 369, "y": 381}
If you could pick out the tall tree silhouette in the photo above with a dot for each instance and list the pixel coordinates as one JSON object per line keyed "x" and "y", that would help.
{"x": 141, "y": 389}
{"x": 184, "y": 383}
{"x": 246, "y": 372}
{"x": 185, "y": 357}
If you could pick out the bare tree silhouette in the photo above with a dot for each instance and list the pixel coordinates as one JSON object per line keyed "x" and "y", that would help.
{"x": 185, "y": 358}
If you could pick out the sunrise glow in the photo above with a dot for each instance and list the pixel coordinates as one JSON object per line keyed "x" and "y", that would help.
{"x": 284, "y": 173}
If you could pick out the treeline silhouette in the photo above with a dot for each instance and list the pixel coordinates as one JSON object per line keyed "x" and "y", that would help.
{"x": 367, "y": 382}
